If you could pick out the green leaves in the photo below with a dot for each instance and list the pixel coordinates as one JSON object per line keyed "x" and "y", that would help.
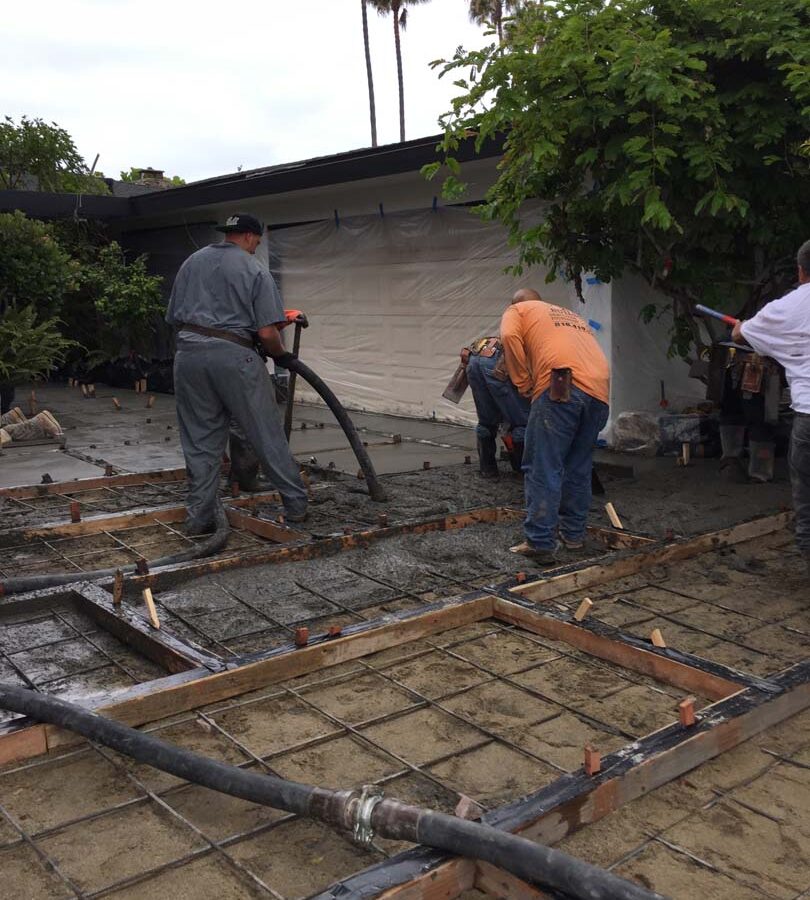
{"x": 30, "y": 348}
{"x": 34, "y": 269}
{"x": 650, "y": 132}
{"x": 35, "y": 155}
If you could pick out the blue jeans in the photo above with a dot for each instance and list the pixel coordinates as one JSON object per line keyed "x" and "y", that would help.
{"x": 496, "y": 401}
{"x": 557, "y": 464}
{"x": 800, "y": 479}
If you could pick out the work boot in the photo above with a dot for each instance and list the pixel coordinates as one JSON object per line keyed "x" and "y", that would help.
{"x": 571, "y": 543}
{"x": 761, "y": 459}
{"x": 487, "y": 457}
{"x": 516, "y": 456}
{"x": 543, "y": 556}
{"x": 732, "y": 441}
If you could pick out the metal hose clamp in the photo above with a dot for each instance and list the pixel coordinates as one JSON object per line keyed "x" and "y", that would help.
{"x": 370, "y": 796}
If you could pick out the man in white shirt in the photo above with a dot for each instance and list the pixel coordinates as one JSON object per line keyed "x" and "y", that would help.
{"x": 781, "y": 330}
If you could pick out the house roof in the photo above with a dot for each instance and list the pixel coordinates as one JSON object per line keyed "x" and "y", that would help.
{"x": 354, "y": 165}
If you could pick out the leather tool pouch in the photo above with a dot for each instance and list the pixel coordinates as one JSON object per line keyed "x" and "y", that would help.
{"x": 560, "y": 387}
{"x": 500, "y": 372}
{"x": 753, "y": 372}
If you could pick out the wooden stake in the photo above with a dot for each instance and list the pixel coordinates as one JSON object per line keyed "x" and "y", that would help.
{"x": 75, "y": 511}
{"x": 118, "y": 587}
{"x": 657, "y": 638}
{"x": 91, "y": 390}
{"x": 467, "y": 808}
{"x": 116, "y": 403}
{"x": 137, "y": 387}
{"x": 686, "y": 453}
{"x": 615, "y": 521}
{"x": 146, "y": 593}
{"x": 150, "y": 401}
{"x": 583, "y": 609}
{"x": 32, "y": 403}
{"x": 84, "y": 390}
{"x": 301, "y": 636}
{"x": 593, "y": 761}
{"x": 686, "y": 712}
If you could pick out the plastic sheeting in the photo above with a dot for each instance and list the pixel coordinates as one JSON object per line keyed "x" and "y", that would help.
{"x": 393, "y": 298}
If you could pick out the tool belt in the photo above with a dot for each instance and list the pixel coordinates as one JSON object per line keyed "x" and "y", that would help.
{"x": 486, "y": 347}
{"x": 748, "y": 373}
{"x": 217, "y": 333}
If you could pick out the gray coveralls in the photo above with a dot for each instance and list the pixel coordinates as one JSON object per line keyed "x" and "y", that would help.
{"x": 224, "y": 287}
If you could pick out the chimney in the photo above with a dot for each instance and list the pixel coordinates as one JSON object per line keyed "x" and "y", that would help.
{"x": 150, "y": 176}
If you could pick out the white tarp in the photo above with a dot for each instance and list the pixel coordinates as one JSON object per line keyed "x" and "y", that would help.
{"x": 392, "y": 299}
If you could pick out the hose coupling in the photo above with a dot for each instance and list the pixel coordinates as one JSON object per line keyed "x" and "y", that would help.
{"x": 369, "y": 797}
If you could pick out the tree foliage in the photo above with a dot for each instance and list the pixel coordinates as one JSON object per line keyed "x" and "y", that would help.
{"x": 34, "y": 269}
{"x": 665, "y": 137}
{"x": 30, "y": 348}
{"x": 116, "y": 305}
{"x": 35, "y": 155}
{"x": 492, "y": 12}
{"x": 398, "y": 10}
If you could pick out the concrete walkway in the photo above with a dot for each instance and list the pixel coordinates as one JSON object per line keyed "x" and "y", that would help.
{"x": 138, "y": 439}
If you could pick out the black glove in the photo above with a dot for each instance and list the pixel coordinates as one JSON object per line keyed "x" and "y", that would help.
{"x": 284, "y": 359}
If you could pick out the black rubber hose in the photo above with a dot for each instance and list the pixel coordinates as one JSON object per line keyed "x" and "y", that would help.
{"x": 375, "y": 489}
{"x": 211, "y": 545}
{"x": 532, "y": 862}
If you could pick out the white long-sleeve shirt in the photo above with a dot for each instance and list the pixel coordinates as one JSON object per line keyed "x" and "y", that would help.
{"x": 781, "y": 330}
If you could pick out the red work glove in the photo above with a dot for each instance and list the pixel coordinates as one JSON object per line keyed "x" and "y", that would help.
{"x": 294, "y": 317}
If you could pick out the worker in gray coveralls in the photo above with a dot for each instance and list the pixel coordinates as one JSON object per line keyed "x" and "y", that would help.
{"x": 223, "y": 301}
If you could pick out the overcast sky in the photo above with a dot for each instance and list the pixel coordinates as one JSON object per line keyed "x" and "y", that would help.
{"x": 198, "y": 88}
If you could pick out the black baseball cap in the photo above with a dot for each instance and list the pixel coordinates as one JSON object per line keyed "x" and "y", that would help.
{"x": 241, "y": 222}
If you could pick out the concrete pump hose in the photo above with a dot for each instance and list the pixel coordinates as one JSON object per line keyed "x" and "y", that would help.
{"x": 536, "y": 863}
{"x": 375, "y": 489}
{"x": 207, "y": 547}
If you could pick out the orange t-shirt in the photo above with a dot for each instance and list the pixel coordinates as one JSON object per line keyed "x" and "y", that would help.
{"x": 539, "y": 337}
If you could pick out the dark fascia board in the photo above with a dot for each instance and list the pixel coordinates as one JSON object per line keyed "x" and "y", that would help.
{"x": 44, "y": 205}
{"x": 355, "y": 165}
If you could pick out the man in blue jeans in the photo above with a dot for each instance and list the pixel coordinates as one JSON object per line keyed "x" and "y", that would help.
{"x": 781, "y": 330}
{"x": 553, "y": 357}
{"x": 496, "y": 400}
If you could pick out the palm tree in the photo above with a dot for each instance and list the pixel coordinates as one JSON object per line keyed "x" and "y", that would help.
{"x": 482, "y": 11}
{"x": 399, "y": 13}
{"x": 371, "y": 107}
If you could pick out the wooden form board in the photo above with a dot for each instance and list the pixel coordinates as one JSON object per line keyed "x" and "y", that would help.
{"x": 195, "y": 687}
{"x": 744, "y": 706}
{"x": 130, "y": 519}
{"x": 199, "y": 686}
{"x": 29, "y": 492}
{"x": 555, "y": 585}
{"x": 577, "y": 800}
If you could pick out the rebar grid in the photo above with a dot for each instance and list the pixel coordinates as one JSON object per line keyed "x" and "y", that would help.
{"x": 347, "y": 730}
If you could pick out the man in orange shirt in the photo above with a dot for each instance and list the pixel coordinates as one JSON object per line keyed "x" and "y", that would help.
{"x": 553, "y": 357}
